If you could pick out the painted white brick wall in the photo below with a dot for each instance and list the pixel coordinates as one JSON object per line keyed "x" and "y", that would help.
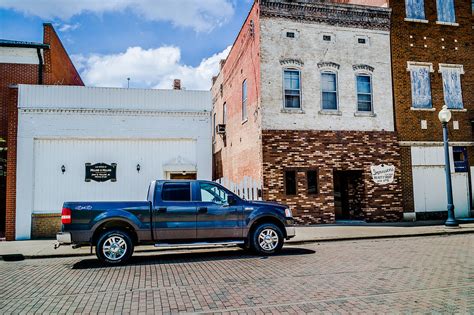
{"x": 309, "y": 47}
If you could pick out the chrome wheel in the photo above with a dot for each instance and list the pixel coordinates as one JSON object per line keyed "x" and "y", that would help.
{"x": 114, "y": 248}
{"x": 268, "y": 239}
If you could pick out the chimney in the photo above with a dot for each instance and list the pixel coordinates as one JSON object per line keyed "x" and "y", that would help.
{"x": 177, "y": 84}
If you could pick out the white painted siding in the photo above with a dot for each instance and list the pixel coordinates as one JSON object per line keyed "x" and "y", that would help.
{"x": 79, "y": 97}
{"x": 18, "y": 55}
{"x": 52, "y": 187}
{"x": 310, "y": 49}
{"x": 429, "y": 182}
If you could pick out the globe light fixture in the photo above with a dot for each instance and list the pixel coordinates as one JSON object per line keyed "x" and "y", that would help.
{"x": 444, "y": 115}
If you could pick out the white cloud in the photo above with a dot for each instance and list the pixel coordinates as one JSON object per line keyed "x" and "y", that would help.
{"x": 147, "y": 68}
{"x": 68, "y": 27}
{"x": 201, "y": 15}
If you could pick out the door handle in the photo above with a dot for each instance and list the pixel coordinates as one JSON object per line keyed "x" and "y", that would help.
{"x": 161, "y": 210}
{"x": 202, "y": 210}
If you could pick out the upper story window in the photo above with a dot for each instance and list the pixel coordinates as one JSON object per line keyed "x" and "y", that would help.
{"x": 364, "y": 93}
{"x": 415, "y": 9}
{"x": 329, "y": 90}
{"x": 290, "y": 34}
{"x": 420, "y": 85}
{"x": 452, "y": 85}
{"x": 292, "y": 89}
{"x": 244, "y": 100}
{"x": 446, "y": 11}
{"x": 224, "y": 113}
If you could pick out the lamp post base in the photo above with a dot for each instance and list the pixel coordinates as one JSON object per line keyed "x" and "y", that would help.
{"x": 451, "y": 224}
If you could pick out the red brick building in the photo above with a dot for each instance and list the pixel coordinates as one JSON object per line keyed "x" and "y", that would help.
{"x": 433, "y": 65}
{"x": 303, "y": 105}
{"x": 25, "y": 63}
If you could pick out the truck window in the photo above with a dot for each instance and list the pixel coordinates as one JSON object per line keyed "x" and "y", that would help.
{"x": 212, "y": 193}
{"x": 176, "y": 192}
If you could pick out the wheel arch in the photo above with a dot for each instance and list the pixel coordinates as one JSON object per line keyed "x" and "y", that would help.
{"x": 114, "y": 224}
{"x": 267, "y": 219}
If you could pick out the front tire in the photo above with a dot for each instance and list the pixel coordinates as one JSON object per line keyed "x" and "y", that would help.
{"x": 114, "y": 247}
{"x": 267, "y": 239}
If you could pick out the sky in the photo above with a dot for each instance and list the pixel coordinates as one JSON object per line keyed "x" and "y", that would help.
{"x": 151, "y": 42}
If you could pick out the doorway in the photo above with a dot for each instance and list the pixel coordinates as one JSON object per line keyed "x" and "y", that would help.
{"x": 348, "y": 195}
{"x": 184, "y": 175}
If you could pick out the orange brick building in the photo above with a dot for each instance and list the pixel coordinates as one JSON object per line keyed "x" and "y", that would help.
{"x": 25, "y": 63}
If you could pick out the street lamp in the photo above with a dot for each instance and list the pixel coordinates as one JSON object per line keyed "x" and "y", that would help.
{"x": 444, "y": 117}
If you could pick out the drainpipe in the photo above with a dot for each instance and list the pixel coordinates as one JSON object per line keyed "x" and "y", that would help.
{"x": 40, "y": 66}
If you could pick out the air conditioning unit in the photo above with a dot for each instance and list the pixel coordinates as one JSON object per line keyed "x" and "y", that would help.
{"x": 220, "y": 129}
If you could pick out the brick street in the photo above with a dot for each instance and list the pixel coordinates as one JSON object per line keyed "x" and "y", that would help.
{"x": 423, "y": 274}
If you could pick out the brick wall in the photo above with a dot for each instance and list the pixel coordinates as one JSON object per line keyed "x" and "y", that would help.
{"x": 45, "y": 225}
{"x": 407, "y": 180}
{"x": 238, "y": 153}
{"x": 10, "y": 218}
{"x": 434, "y": 36}
{"x": 328, "y": 151}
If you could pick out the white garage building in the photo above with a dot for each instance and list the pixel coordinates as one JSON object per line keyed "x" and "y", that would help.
{"x": 84, "y": 143}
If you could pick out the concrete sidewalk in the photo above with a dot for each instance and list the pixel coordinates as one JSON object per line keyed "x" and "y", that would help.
{"x": 304, "y": 234}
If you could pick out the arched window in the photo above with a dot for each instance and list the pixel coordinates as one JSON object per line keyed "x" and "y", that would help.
{"x": 292, "y": 88}
{"x": 329, "y": 91}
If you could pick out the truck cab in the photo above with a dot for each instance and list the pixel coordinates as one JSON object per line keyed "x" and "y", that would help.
{"x": 176, "y": 213}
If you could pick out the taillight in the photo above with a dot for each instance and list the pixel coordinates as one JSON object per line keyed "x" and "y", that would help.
{"x": 66, "y": 216}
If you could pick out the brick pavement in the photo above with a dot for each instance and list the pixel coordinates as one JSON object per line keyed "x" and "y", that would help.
{"x": 429, "y": 274}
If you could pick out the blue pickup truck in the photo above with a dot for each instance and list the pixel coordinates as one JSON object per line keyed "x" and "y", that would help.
{"x": 176, "y": 213}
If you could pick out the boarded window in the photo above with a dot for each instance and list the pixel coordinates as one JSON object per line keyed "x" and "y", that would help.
{"x": 420, "y": 87}
{"x": 446, "y": 11}
{"x": 292, "y": 89}
{"x": 290, "y": 182}
{"x": 415, "y": 9}
{"x": 364, "y": 93}
{"x": 452, "y": 87}
{"x": 329, "y": 90}
{"x": 312, "y": 182}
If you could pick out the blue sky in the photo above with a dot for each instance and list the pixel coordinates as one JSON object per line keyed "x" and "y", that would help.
{"x": 150, "y": 41}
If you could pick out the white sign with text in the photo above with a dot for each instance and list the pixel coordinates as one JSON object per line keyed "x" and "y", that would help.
{"x": 383, "y": 174}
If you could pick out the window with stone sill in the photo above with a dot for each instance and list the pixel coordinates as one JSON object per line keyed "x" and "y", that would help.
{"x": 292, "y": 89}
{"x": 415, "y": 9}
{"x": 452, "y": 86}
{"x": 446, "y": 12}
{"x": 420, "y": 86}
{"x": 364, "y": 93}
{"x": 329, "y": 91}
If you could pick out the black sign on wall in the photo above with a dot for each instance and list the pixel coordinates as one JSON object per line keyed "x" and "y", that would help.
{"x": 101, "y": 172}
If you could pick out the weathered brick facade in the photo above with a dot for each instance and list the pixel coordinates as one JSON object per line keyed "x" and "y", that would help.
{"x": 57, "y": 70}
{"x": 328, "y": 151}
{"x": 45, "y": 225}
{"x": 431, "y": 42}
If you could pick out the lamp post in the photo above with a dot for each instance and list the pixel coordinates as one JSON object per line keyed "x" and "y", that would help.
{"x": 444, "y": 117}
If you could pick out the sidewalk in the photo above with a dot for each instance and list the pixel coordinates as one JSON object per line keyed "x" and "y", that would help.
{"x": 304, "y": 234}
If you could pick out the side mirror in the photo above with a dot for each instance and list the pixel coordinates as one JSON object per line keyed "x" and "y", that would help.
{"x": 231, "y": 200}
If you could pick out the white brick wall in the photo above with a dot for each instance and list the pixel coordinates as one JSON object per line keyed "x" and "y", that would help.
{"x": 309, "y": 47}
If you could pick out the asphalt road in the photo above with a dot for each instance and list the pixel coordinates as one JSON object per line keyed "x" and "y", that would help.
{"x": 425, "y": 274}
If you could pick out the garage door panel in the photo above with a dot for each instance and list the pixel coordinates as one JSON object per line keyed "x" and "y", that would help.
{"x": 52, "y": 187}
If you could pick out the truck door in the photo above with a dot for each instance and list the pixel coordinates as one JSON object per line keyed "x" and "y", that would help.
{"x": 174, "y": 212}
{"x": 216, "y": 219}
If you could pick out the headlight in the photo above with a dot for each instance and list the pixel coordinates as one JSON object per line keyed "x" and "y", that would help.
{"x": 288, "y": 213}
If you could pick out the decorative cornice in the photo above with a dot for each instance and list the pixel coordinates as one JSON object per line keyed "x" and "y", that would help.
{"x": 328, "y": 64}
{"x": 344, "y": 15}
{"x": 360, "y": 67}
{"x": 288, "y": 61}
{"x": 112, "y": 112}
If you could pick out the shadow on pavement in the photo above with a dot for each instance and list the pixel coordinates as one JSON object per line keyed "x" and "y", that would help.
{"x": 179, "y": 258}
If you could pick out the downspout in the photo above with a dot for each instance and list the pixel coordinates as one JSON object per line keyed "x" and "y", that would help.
{"x": 40, "y": 66}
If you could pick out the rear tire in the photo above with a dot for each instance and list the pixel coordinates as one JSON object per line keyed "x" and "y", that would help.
{"x": 114, "y": 247}
{"x": 266, "y": 239}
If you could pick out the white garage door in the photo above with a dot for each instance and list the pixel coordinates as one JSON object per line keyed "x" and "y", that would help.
{"x": 52, "y": 187}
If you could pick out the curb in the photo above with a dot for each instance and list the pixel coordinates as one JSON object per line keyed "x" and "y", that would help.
{"x": 20, "y": 257}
